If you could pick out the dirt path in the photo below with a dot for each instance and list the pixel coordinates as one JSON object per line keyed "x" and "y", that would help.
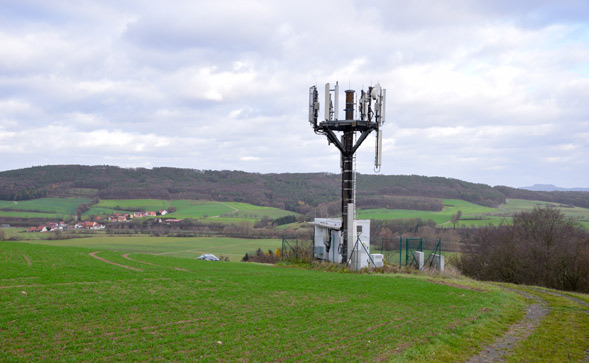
{"x": 93, "y": 254}
{"x": 516, "y": 333}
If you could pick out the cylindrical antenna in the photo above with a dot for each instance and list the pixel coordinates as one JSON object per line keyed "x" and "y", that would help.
{"x": 383, "y": 108}
{"x": 327, "y": 102}
{"x": 336, "y": 104}
{"x": 378, "y": 153}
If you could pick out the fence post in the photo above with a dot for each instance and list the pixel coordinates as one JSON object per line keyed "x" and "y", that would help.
{"x": 400, "y": 249}
{"x": 406, "y": 250}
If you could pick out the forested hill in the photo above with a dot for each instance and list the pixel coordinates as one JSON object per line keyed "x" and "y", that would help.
{"x": 287, "y": 191}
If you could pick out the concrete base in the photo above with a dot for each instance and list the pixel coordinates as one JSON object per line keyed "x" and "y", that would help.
{"x": 438, "y": 262}
{"x": 419, "y": 258}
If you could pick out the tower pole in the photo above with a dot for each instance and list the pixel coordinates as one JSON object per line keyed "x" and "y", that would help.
{"x": 347, "y": 172}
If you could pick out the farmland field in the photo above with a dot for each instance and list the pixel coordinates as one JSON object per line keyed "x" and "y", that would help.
{"x": 451, "y": 207}
{"x": 187, "y": 247}
{"x": 61, "y": 303}
{"x": 474, "y": 215}
{"x": 82, "y": 304}
{"x": 56, "y": 208}
{"x": 65, "y": 208}
{"x": 185, "y": 208}
{"x": 221, "y": 212}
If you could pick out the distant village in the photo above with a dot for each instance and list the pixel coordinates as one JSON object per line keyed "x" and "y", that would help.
{"x": 116, "y": 217}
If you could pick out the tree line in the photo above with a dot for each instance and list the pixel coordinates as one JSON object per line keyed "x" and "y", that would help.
{"x": 541, "y": 247}
{"x": 314, "y": 193}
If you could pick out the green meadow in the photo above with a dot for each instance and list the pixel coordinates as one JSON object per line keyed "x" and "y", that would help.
{"x": 62, "y": 304}
{"x": 474, "y": 215}
{"x": 55, "y": 208}
{"x": 75, "y": 304}
{"x": 186, "y": 247}
{"x": 184, "y": 208}
{"x": 451, "y": 207}
{"x": 64, "y": 208}
{"x": 220, "y": 212}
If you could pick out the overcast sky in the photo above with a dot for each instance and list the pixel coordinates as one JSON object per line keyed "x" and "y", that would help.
{"x": 493, "y": 92}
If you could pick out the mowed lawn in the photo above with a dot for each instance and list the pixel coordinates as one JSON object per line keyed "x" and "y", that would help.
{"x": 187, "y": 247}
{"x": 63, "y": 304}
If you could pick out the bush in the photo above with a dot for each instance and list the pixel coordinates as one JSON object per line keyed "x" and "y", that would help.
{"x": 261, "y": 257}
{"x": 542, "y": 247}
{"x": 299, "y": 253}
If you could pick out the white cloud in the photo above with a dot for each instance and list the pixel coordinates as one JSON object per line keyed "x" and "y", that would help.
{"x": 486, "y": 91}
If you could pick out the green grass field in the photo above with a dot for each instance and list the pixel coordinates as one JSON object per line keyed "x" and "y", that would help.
{"x": 56, "y": 208}
{"x": 451, "y": 207}
{"x": 65, "y": 208}
{"x": 517, "y": 205}
{"x": 474, "y": 215}
{"x": 76, "y": 304}
{"x": 219, "y": 212}
{"x": 61, "y": 304}
{"x": 187, "y": 247}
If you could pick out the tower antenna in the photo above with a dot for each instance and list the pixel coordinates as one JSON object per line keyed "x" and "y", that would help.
{"x": 371, "y": 104}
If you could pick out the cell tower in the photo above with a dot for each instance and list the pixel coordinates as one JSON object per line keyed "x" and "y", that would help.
{"x": 371, "y": 109}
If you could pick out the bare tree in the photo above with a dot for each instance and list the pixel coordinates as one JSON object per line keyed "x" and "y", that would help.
{"x": 542, "y": 247}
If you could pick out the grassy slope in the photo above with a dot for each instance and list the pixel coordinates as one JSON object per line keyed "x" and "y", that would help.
{"x": 219, "y": 212}
{"x": 234, "y": 248}
{"x": 59, "y": 303}
{"x": 56, "y": 208}
{"x": 473, "y": 214}
{"x": 233, "y": 212}
{"x": 451, "y": 207}
{"x": 563, "y": 336}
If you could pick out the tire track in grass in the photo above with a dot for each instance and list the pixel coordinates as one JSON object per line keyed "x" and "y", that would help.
{"x": 235, "y": 210}
{"x": 572, "y": 298}
{"x": 29, "y": 262}
{"x": 126, "y": 256}
{"x": 517, "y": 332}
{"x": 93, "y": 254}
{"x": 578, "y": 301}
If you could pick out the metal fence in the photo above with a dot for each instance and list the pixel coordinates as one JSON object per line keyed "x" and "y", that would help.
{"x": 294, "y": 249}
{"x": 403, "y": 251}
